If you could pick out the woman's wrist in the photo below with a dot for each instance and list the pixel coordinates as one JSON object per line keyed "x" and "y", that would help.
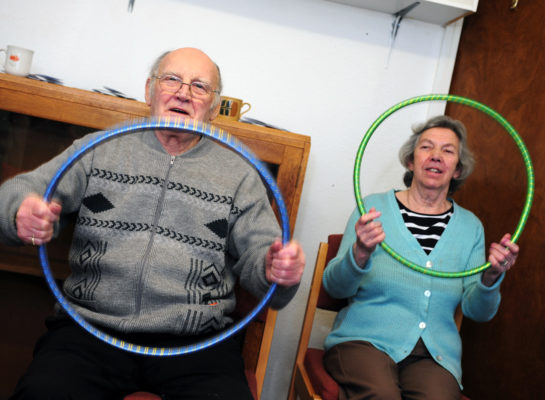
{"x": 361, "y": 256}
{"x": 489, "y": 278}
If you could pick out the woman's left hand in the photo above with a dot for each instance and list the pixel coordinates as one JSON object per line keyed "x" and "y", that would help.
{"x": 502, "y": 256}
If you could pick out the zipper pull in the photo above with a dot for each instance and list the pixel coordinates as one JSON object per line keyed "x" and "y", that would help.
{"x": 172, "y": 160}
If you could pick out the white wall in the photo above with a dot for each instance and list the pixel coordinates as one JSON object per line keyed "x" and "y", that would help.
{"x": 309, "y": 66}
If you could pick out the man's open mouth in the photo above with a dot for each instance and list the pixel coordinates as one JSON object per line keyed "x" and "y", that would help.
{"x": 179, "y": 111}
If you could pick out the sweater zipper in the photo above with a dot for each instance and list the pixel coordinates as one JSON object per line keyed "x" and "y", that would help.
{"x": 158, "y": 210}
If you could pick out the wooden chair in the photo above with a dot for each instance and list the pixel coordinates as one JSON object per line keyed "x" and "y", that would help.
{"x": 310, "y": 380}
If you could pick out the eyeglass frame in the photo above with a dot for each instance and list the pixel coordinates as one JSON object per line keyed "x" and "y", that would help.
{"x": 205, "y": 85}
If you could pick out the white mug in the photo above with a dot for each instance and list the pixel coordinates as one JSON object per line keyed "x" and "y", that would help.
{"x": 18, "y": 60}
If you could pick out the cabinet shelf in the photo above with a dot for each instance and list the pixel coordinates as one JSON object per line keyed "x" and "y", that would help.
{"x": 441, "y": 12}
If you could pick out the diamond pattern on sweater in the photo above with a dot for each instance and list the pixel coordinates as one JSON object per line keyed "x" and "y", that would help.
{"x": 219, "y": 227}
{"x": 97, "y": 203}
{"x": 210, "y": 279}
{"x": 89, "y": 258}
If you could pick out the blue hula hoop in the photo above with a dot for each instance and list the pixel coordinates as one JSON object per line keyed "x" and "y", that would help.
{"x": 191, "y": 126}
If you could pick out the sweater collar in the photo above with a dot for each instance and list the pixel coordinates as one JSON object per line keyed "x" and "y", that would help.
{"x": 150, "y": 139}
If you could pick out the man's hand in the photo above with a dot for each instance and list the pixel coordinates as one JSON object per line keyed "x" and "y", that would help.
{"x": 284, "y": 264}
{"x": 35, "y": 220}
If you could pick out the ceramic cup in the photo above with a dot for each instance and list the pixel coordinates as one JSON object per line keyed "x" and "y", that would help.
{"x": 17, "y": 60}
{"x": 232, "y": 108}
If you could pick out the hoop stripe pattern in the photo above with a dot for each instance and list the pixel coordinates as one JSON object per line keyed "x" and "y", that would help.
{"x": 491, "y": 113}
{"x": 186, "y": 125}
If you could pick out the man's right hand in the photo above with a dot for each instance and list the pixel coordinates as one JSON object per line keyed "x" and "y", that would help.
{"x": 35, "y": 220}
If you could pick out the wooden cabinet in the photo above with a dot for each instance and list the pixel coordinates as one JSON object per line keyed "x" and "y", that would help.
{"x": 37, "y": 121}
{"x": 62, "y": 114}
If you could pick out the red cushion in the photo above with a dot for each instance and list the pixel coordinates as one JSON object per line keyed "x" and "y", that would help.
{"x": 142, "y": 396}
{"x": 323, "y": 384}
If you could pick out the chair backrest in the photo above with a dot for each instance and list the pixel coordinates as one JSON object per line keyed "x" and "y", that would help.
{"x": 317, "y": 298}
{"x": 258, "y": 337}
{"x": 325, "y": 301}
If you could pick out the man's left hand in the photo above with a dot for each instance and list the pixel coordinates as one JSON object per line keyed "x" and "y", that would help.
{"x": 284, "y": 264}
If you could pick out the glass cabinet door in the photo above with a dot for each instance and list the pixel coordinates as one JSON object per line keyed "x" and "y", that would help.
{"x": 25, "y": 143}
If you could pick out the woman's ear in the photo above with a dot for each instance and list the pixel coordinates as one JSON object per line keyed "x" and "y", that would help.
{"x": 457, "y": 173}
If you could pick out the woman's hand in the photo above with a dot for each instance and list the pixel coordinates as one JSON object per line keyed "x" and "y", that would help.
{"x": 369, "y": 234}
{"x": 502, "y": 257}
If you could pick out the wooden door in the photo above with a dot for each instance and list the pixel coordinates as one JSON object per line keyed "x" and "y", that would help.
{"x": 501, "y": 64}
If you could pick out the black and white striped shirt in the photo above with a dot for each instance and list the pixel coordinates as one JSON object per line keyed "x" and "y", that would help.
{"x": 426, "y": 228}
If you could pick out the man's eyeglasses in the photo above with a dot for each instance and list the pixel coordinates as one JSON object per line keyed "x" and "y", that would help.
{"x": 172, "y": 83}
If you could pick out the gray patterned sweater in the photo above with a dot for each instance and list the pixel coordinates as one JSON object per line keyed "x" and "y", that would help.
{"x": 159, "y": 240}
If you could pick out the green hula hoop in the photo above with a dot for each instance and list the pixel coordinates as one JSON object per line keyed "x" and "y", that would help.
{"x": 481, "y": 107}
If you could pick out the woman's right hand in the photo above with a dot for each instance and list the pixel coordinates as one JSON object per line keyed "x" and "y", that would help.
{"x": 369, "y": 234}
{"x": 35, "y": 220}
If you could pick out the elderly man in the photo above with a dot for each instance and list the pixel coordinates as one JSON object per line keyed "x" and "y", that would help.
{"x": 139, "y": 284}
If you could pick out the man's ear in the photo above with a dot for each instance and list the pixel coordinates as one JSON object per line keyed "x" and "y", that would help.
{"x": 214, "y": 113}
{"x": 148, "y": 91}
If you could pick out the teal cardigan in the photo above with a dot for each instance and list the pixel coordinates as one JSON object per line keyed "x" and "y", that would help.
{"x": 392, "y": 306}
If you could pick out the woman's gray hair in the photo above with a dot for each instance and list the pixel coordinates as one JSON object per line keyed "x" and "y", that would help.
{"x": 466, "y": 162}
{"x": 155, "y": 69}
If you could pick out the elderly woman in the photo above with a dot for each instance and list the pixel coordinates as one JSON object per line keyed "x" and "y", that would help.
{"x": 397, "y": 338}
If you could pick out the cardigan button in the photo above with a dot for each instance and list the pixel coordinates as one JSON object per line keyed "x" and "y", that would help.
{"x": 428, "y": 264}
{"x": 427, "y": 293}
{"x": 439, "y": 358}
{"x": 422, "y": 325}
